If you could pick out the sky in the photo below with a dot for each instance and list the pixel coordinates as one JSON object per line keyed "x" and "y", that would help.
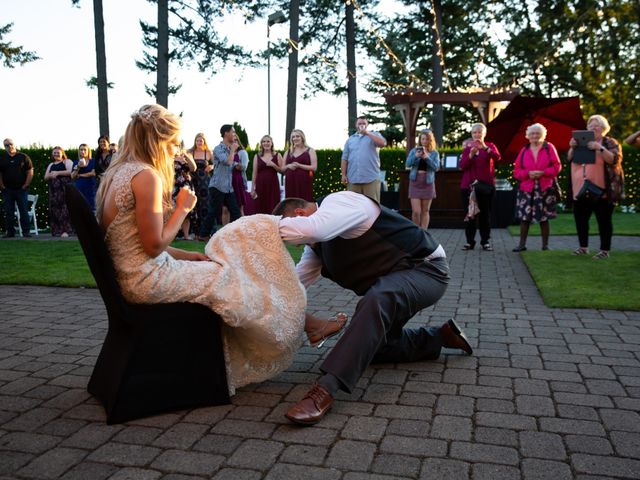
{"x": 48, "y": 103}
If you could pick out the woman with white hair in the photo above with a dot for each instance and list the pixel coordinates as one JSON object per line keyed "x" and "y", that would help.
{"x": 536, "y": 168}
{"x": 591, "y": 185}
{"x": 478, "y": 176}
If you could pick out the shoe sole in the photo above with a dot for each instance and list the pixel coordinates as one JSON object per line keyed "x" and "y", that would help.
{"x": 455, "y": 329}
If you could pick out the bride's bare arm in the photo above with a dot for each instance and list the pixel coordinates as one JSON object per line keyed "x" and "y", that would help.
{"x": 180, "y": 254}
{"x": 154, "y": 234}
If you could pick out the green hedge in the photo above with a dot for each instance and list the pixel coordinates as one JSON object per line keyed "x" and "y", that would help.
{"x": 327, "y": 178}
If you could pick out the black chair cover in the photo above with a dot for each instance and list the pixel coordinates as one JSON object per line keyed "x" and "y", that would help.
{"x": 155, "y": 358}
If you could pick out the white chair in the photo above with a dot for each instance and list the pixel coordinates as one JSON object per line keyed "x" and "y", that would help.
{"x": 383, "y": 180}
{"x": 32, "y": 214}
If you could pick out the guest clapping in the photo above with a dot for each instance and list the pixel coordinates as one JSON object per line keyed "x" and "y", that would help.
{"x": 58, "y": 174}
{"x": 423, "y": 161}
{"x": 84, "y": 174}
{"x": 536, "y": 167}
{"x": 478, "y": 173}
{"x": 588, "y": 200}
{"x": 265, "y": 186}
{"x": 300, "y": 162}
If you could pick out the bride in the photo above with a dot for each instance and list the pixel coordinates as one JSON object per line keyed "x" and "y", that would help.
{"x": 247, "y": 276}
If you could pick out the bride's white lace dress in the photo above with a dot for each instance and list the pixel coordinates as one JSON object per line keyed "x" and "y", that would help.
{"x": 250, "y": 282}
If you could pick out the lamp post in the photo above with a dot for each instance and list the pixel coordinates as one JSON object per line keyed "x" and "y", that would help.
{"x": 277, "y": 17}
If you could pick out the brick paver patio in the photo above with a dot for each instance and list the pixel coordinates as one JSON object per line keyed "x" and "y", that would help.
{"x": 548, "y": 394}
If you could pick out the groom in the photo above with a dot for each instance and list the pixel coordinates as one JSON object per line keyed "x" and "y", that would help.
{"x": 395, "y": 266}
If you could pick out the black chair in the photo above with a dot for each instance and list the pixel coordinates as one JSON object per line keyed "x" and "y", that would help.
{"x": 155, "y": 358}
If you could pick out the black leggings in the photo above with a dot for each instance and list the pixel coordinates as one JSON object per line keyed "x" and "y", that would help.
{"x": 582, "y": 211}
{"x": 483, "y": 218}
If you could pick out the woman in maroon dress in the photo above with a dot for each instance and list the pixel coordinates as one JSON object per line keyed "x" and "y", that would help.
{"x": 300, "y": 163}
{"x": 201, "y": 154}
{"x": 265, "y": 186}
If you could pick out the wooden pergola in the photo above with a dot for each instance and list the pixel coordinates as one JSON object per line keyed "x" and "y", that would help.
{"x": 411, "y": 102}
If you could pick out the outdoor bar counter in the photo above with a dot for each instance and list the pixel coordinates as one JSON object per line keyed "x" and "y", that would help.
{"x": 447, "y": 210}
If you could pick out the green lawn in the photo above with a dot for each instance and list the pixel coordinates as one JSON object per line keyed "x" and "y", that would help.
{"x": 61, "y": 263}
{"x": 623, "y": 224}
{"x": 564, "y": 280}
{"x": 568, "y": 281}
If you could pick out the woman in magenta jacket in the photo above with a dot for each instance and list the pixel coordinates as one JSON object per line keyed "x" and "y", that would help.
{"x": 478, "y": 172}
{"x": 536, "y": 168}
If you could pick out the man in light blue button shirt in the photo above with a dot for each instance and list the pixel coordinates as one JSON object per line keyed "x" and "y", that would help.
{"x": 220, "y": 187}
{"x": 360, "y": 161}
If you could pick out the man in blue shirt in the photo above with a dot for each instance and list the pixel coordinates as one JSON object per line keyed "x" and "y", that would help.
{"x": 220, "y": 186}
{"x": 360, "y": 161}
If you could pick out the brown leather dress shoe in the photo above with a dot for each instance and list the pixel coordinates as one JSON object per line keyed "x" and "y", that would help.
{"x": 312, "y": 407}
{"x": 453, "y": 337}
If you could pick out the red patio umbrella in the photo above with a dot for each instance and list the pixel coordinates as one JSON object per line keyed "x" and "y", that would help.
{"x": 560, "y": 116}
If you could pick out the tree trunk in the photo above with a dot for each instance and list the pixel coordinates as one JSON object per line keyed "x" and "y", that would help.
{"x": 162, "y": 82}
{"x": 351, "y": 68}
{"x": 437, "y": 118}
{"x": 292, "y": 85}
{"x": 101, "y": 68}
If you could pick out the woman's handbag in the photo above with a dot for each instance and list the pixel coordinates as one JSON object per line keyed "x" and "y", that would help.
{"x": 554, "y": 192}
{"x": 483, "y": 188}
{"x": 589, "y": 192}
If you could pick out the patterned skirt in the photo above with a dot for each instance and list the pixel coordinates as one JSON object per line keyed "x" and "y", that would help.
{"x": 536, "y": 206}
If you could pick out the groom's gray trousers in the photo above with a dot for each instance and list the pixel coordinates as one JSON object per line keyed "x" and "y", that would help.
{"x": 377, "y": 332}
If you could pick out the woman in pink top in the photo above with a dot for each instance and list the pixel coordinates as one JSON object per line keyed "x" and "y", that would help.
{"x": 477, "y": 164}
{"x": 536, "y": 167}
{"x": 608, "y": 151}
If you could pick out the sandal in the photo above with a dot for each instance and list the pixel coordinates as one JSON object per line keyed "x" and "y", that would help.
{"x": 467, "y": 246}
{"x": 601, "y": 255}
{"x": 332, "y": 326}
{"x": 580, "y": 251}
{"x": 487, "y": 247}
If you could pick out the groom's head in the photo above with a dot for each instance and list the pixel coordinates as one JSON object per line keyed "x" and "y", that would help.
{"x": 295, "y": 207}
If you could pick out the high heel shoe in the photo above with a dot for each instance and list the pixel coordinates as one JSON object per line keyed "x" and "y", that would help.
{"x": 331, "y": 327}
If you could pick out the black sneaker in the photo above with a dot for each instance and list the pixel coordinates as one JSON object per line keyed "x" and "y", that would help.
{"x": 8, "y": 235}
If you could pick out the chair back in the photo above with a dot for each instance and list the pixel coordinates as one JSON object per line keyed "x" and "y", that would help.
{"x": 95, "y": 250}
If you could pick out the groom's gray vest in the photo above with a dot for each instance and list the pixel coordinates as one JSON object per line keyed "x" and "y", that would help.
{"x": 392, "y": 243}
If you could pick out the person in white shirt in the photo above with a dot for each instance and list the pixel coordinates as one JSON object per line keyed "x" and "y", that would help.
{"x": 397, "y": 267}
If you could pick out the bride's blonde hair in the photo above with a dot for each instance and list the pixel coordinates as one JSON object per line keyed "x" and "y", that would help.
{"x": 151, "y": 130}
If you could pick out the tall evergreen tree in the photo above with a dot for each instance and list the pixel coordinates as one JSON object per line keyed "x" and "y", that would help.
{"x": 10, "y": 54}
{"x": 186, "y": 34}
{"x": 100, "y": 81}
{"x": 433, "y": 46}
{"x": 589, "y": 48}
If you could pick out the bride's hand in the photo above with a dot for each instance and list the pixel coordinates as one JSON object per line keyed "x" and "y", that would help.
{"x": 198, "y": 257}
{"x": 186, "y": 199}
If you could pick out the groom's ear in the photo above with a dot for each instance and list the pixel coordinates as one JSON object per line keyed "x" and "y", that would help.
{"x": 300, "y": 212}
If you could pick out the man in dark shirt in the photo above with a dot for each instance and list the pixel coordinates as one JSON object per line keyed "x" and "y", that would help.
{"x": 16, "y": 173}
